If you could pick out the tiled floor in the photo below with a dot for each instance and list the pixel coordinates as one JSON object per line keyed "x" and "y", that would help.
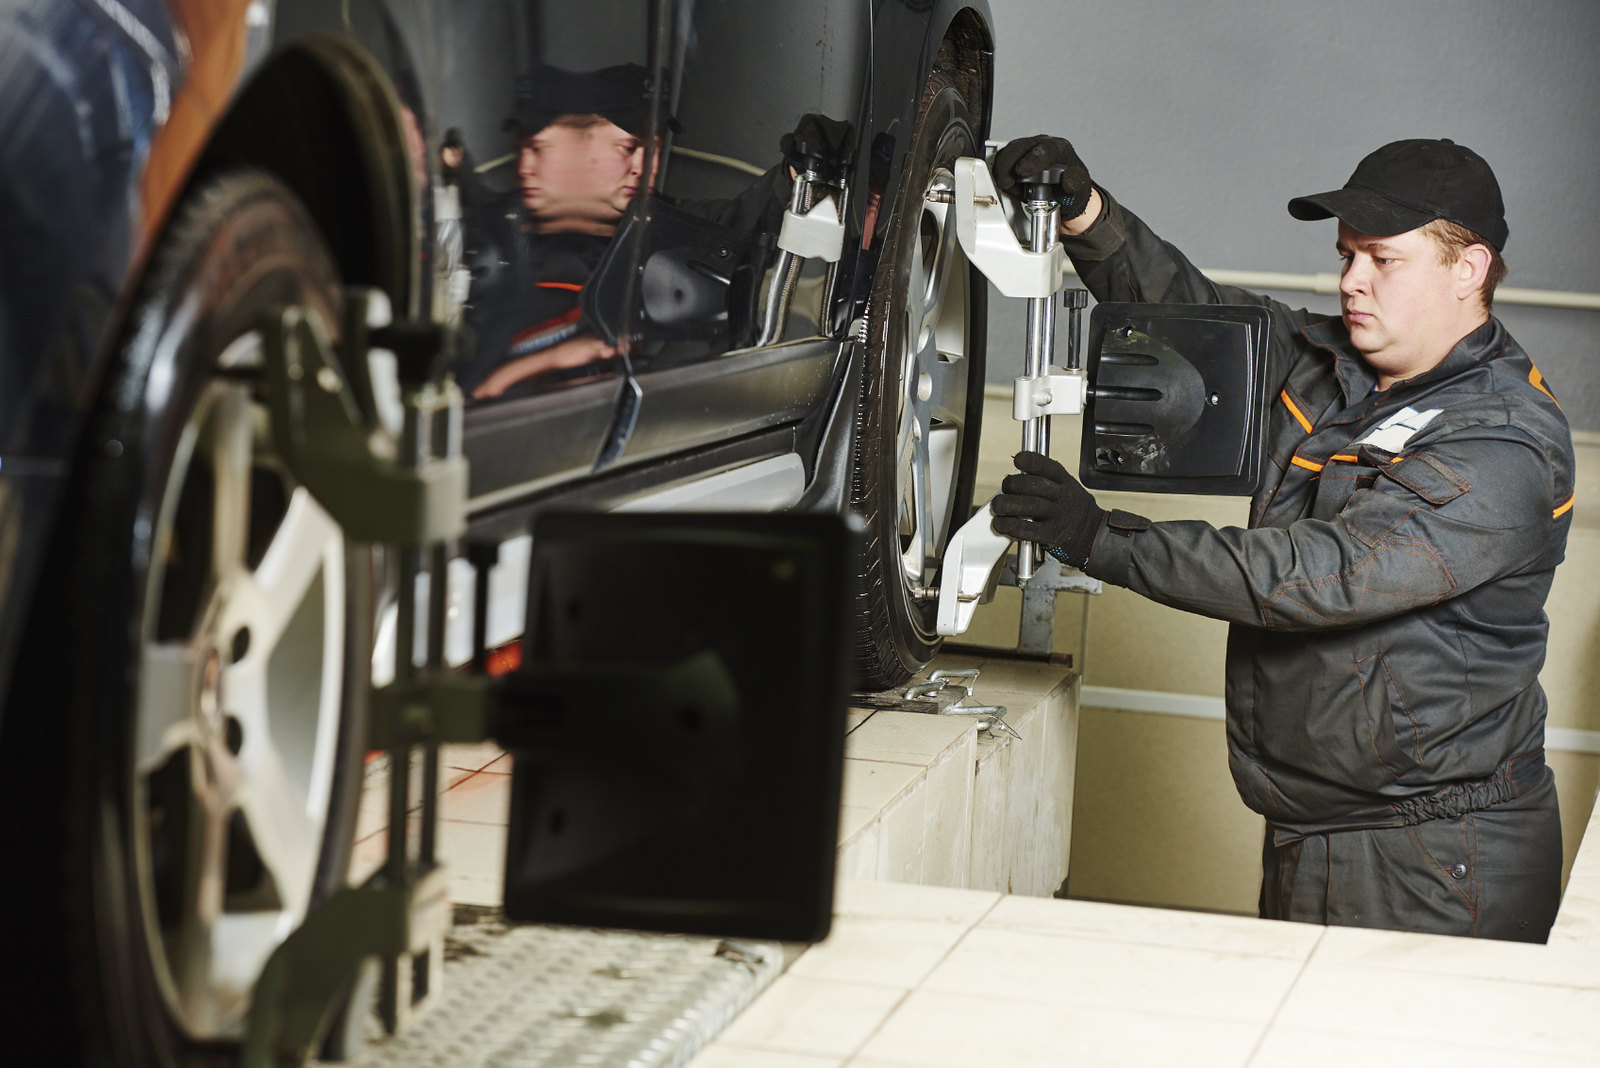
{"x": 937, "y": 978}
{"x": 476, "y": 785}
{"x": 934, "y": 977}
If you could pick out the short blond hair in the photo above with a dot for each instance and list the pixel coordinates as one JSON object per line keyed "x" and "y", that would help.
{"x": 1451, "y": 238}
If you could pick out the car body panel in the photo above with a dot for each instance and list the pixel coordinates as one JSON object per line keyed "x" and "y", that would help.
{"x": 111, "y": 109}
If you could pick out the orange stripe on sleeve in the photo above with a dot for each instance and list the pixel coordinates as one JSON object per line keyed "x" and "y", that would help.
{"x": 1346, "y": 457}
{"x": 1299, "y": 416}
{"x": 1566, "y": 507}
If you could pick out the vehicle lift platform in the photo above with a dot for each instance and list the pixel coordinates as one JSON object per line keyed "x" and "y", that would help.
{"x": 504, "y": 993}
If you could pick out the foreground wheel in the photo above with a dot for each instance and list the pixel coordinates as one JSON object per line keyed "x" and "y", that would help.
{"x": 197, "y": 665}
{"x": 917, "y": 428}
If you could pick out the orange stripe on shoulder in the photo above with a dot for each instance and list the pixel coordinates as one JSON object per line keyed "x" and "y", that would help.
{"x": 1309, "y": 465}
{"x": 1299, "y": 416}
{"x": 1537, "y": 379}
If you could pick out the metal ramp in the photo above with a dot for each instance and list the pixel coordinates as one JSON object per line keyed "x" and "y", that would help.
{"x": 530, "y": 996}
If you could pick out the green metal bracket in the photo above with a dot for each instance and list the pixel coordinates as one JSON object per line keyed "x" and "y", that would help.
{"x": 436, "y": 708}
{"x": 348, "y": 463}
{"x": 309, "y": 974}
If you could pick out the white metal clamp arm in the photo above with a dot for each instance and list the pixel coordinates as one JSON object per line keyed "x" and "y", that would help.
{"x": 1057, "y": 392}
{"x": 971, "y": 570}
{"x": 989, "y": 242}
{"x": 818, "y": 234}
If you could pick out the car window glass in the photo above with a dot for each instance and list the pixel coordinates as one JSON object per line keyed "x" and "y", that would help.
{"x": 744, "y": 81}
{"x": 537, "y": 155}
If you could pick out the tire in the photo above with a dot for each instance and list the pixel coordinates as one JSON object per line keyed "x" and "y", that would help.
{"x": 187, "y": 737}
{"x": 918, "y": 421}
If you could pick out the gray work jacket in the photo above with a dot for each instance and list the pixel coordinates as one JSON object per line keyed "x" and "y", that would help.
{"x": 1387, "y": 601}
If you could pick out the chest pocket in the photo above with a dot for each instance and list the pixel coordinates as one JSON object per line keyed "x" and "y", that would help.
{"x": 1422, "y": 476}
{"x": 1425, "y": 477}
{"x": 1338, "y": 482}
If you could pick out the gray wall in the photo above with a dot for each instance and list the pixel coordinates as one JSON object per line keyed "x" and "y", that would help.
{"x": 1205, "y": 117}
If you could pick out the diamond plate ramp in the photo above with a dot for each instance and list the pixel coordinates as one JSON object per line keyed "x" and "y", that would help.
{"x": 565, "y": 997}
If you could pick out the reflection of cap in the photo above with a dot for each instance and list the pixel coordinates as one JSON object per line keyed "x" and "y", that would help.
{"x": 619, "y": 93}
{"x": 1407, "y": 184}
{"x": 452, "y": 138}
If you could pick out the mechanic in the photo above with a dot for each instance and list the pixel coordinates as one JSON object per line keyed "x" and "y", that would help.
{"x": 579, "y": 161}
{"x": 1386, "y": 604}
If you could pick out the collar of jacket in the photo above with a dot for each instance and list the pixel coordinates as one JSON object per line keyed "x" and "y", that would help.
{"x": 1356, "y": 376}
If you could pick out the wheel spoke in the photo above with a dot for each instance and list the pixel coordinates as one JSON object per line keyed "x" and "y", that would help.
{"x": 191, "y": 947}
{"x": 228, "y": 446}
{"x": 285, "y": 826}
{"x": 271, "y": 597}
{"x": 947, "y": 388}
{"x": 944, "y": 246}
{"x": 170, "y": 681}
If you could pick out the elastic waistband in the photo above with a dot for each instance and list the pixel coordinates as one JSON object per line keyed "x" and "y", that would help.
{"x": 1511, "y": 779}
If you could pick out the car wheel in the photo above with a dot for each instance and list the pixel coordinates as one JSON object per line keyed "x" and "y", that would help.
{"x": 917, "y": 426}
{"x": 197, "y": 666}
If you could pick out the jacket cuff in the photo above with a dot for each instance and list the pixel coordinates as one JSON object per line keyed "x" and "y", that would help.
{"x": 1111, "y": 556}
{"x": 1103, "y": 238}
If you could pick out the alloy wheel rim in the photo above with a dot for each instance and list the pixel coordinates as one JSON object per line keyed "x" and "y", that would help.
{"x": 240, "y": 693}
{"x": 934, "y": 375}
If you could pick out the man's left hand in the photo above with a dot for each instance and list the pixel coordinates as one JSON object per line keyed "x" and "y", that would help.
{"x": 1045, "y": 504}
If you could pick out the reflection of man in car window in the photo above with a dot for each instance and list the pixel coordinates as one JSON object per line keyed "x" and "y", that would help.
{"x": 578, "y": 174}
{"x": 578, "y": 164}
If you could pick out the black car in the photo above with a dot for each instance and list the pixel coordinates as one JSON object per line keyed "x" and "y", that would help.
{"x": 579, "y": 207}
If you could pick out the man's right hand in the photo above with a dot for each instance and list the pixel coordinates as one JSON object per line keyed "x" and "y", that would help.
{"x": 1025, "y": 158}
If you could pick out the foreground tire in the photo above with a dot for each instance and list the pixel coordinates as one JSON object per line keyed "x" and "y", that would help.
{"x": 917, "y": 426}
{"x": 188, "y": 732}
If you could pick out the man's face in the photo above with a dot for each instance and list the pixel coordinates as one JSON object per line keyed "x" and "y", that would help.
{"x": 1403, "y": 307}
{"x": 579, "y": 173}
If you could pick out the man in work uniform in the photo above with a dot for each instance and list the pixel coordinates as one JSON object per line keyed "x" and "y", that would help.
{"x": 1387, "y": 600}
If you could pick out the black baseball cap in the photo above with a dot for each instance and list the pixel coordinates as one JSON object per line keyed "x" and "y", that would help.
{"x": 1407, "y": 184}
{"x": 620, "y": 94}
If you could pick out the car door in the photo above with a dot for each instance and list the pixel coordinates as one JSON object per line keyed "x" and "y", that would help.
{"x": 540, "y": 113}
{"x": 728, "y": 336}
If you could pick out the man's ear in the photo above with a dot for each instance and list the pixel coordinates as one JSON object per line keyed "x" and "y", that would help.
{"x": 1471, "y": 269}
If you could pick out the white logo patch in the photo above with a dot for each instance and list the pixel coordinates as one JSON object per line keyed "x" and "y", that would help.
{"x": 1392, "y": 434}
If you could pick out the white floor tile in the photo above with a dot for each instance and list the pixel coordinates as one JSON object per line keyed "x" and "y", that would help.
{"x": 1162, "y": 927}
{"x": 908, "y": 737}
{"x": 875, "y": 784}
{"x": 475, "y": 854}
{"x": 944, "y": 1030}
{"x": 1559, "y": 964}
{"x": 881, "y": 952}
{"x": 483, "y": 797}
{"x": 800, "y": 1015}
{"x": 1538, "y": 1019}
{"x": 474, "y": 756}
{"x": 898, "y": 901}
{"x": 1085, "y": 972}
{"x": 728, "y": 1055}
{"x": 1334, "y": 1047}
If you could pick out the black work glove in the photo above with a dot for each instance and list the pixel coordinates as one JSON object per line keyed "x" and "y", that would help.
{"x": 1024, "y": 159}
{"x": 828, "y": 142}
{"x": 1047, "y": 505}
